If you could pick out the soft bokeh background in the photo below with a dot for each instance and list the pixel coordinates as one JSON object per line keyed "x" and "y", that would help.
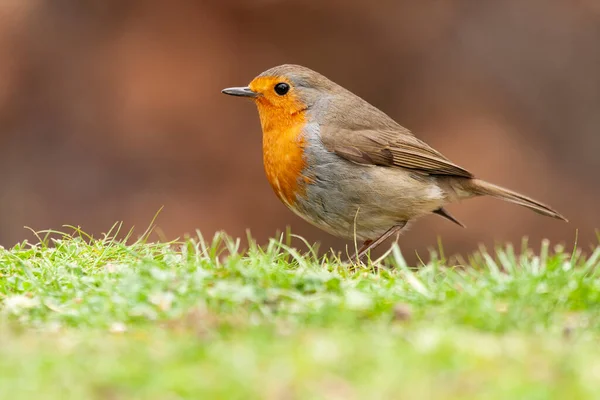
{"x": 110, "y": 109}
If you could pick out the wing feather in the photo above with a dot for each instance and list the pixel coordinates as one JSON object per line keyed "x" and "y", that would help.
{"x": 389, "y": 147}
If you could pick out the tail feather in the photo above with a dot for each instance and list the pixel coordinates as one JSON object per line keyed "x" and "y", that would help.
{"x": 479, "y": 187}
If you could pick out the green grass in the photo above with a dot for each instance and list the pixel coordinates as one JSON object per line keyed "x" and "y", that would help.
{"x": 84, "y": 318}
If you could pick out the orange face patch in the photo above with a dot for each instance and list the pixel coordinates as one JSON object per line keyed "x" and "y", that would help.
{"x": 282, "y": 119}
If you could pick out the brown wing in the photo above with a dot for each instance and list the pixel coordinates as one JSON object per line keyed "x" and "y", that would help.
{"x": 389, "y": 147}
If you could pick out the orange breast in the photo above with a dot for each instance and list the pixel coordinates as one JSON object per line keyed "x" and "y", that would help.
{"x": 283, "y": 151}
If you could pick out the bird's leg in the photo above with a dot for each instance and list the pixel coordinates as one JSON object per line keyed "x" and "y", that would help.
{"x": 372, "y": 244}
{"x": 363, "y": 248}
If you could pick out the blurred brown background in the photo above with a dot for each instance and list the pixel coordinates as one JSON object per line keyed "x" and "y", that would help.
{"x": 110, "y": 109}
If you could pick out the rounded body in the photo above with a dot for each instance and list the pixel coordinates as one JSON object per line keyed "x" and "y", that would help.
{"x": 352, "y": 200}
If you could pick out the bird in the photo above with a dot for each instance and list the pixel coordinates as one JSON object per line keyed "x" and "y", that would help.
{"x": 347, "y": 167}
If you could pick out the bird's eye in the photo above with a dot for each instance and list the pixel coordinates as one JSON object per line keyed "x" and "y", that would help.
{"x": 282, "y": 88}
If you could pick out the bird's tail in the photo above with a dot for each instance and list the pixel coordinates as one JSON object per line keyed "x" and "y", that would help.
{"x": 479, "y": 187}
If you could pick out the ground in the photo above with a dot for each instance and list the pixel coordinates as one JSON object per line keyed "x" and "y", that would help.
{"x": 86, "y": 318}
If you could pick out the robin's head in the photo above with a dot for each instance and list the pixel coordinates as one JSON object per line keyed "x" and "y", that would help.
{"x": 283, "y": 96}
{"x": 286, "y": 93}
{"x": 286, "y": 90}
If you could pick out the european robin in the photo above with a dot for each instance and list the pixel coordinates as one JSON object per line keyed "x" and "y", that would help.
{"x": 347, "y": 167}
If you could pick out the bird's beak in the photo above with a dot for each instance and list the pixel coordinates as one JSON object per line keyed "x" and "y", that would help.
{"x": 240, "y": 91}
